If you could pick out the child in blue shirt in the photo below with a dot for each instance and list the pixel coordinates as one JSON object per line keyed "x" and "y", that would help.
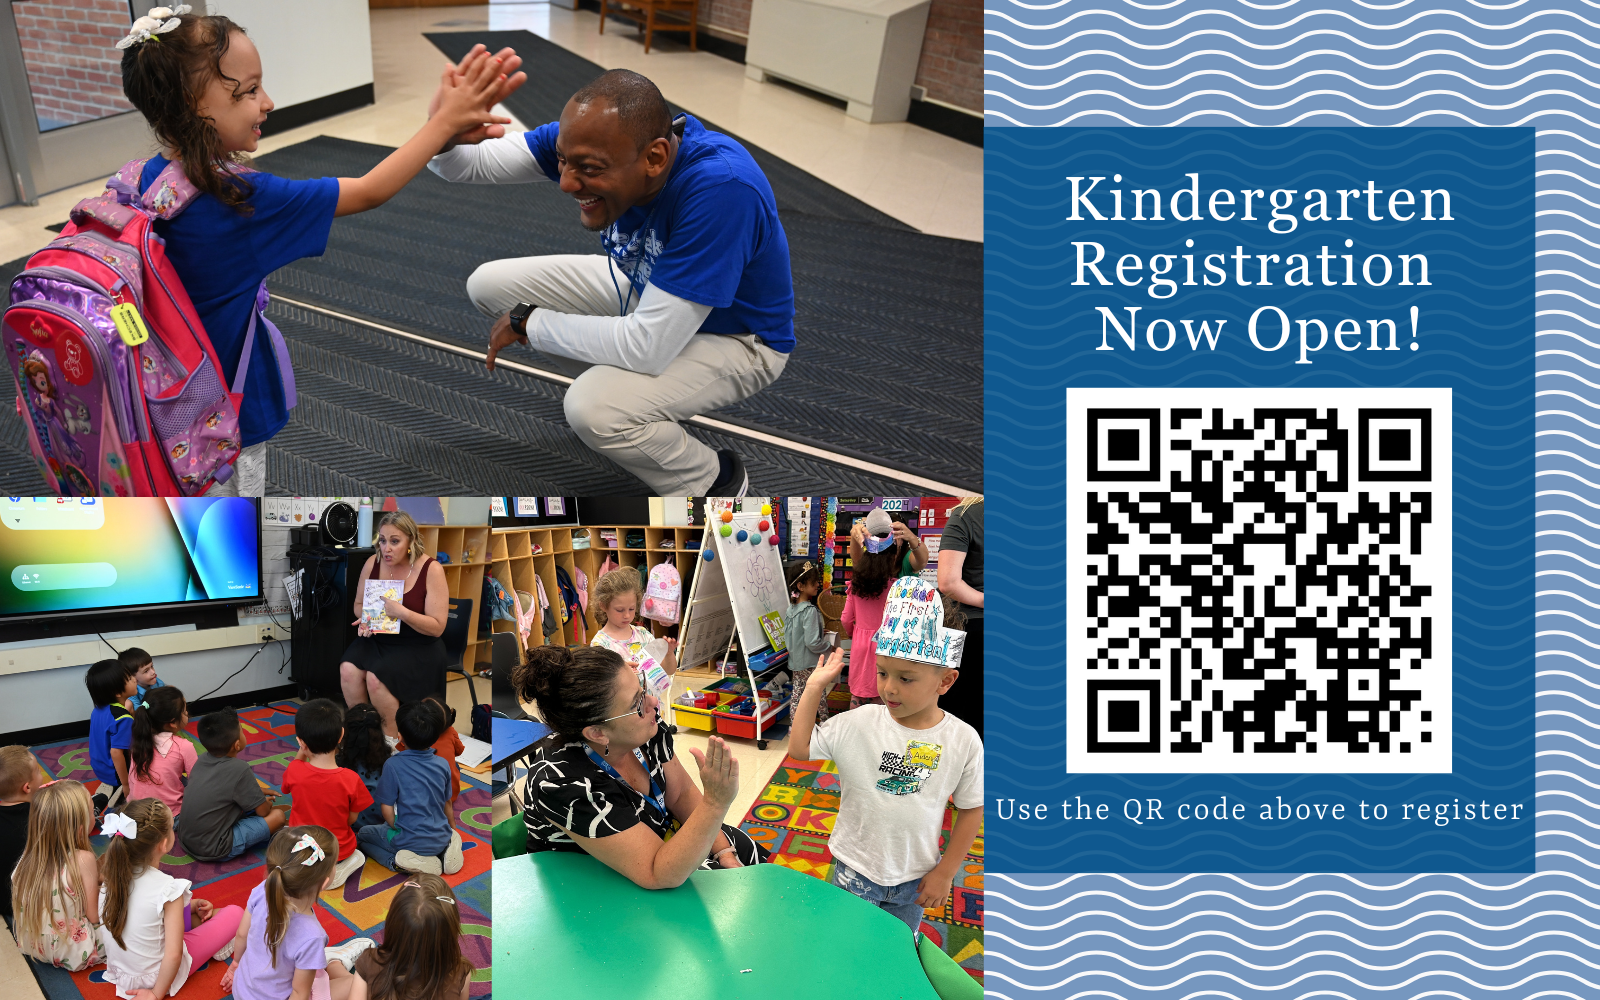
{"x": 199, "y": 84}
{"x": 414, "y": 794}
{"x": 143, "y": 666}
{"x": 110, "y": 685}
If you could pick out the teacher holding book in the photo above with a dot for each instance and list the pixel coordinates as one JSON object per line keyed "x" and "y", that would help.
{"x": 407, "y": 665}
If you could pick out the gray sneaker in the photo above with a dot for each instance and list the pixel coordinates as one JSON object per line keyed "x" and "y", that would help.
{"x": 411, "y": 861}
{"x": 452, "y": 854}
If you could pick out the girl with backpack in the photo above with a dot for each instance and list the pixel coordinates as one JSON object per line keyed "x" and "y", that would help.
{"x": 197, "y": 79}
{"x": 617, "y": 598}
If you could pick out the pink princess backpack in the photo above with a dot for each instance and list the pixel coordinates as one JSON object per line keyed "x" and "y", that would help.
{"x": 661, "y": 594}
{"x": 119, "y": 385}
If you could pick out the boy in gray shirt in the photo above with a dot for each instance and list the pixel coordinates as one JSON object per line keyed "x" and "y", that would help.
{"x": 225, "y": 812}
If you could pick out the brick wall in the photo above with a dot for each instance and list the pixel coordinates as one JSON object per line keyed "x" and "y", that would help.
{"x": 74, "y": 67}
{"x": 951, "y": 66}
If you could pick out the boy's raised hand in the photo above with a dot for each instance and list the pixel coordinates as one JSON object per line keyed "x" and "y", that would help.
{"x": 509, "y": 63}
{"x": 828, "y": 667}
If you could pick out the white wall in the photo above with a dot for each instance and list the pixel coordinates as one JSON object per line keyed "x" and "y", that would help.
{"x": 39, "y": 698}
{"x": 308, "y": 50}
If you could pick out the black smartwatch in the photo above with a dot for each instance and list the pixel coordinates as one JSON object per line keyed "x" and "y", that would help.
{"x": 519, "y": 318}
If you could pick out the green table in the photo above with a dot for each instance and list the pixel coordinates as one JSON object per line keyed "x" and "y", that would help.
{"x": 565, "y": 925}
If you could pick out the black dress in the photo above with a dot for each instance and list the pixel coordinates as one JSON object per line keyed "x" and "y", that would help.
{"x": 411, "y": 665}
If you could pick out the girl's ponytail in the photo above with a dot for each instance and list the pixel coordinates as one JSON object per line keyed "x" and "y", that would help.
{"x": 160, "y": 708}
{"x": 294, "y": 871}
{"x": 127, "y": 857}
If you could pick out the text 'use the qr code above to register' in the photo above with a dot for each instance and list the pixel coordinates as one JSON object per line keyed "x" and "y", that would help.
{"x": 1259, "y": 580}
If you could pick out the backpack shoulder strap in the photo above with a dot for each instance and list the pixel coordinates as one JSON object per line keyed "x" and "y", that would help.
{"x": 169, "y": 193}
{"x": 113, "y": 207}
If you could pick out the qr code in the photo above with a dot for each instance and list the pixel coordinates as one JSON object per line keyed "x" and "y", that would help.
{"x": 1259, "y": 580}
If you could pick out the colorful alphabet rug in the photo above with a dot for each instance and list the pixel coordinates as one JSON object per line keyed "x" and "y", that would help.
{"x": 792, "y": 818}
{"x": 356, "y": 909}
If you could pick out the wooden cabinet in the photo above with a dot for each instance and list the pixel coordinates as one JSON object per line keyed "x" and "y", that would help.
{"x": 467, "y": 550}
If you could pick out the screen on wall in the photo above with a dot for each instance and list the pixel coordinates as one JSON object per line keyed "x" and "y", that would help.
{"x": 79, "y": 555}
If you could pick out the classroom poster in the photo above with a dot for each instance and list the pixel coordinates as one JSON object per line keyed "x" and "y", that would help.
{"x": 1290, "y": 337}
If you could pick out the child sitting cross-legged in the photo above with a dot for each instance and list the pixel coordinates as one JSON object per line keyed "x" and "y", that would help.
{"x": 416, "y": 835}
{"x": 20, "y": 778}
{"x": 325, "y": 794}
{"x": 56, "y": 886}
{"x": 421, "y": 952}
{"x": 364, "y": 750}
{"x": 153, "y": 932}
{"x": 111, "y": 684}
{"x": 225, "y": 812}
{"x": 281, "y": 946}
{"x": 899, "y": 761}
{"x": 160, "y": 754}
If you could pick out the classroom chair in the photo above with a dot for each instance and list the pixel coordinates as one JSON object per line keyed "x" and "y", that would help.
{"x": 948, "y": 979}
{"x": 455, "y": 642}
{"x": 510, "y": 838}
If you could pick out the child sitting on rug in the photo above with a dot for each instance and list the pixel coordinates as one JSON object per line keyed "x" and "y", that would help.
{"x": 225, "y": 811}
{"x": 802, "y": 627}
{"x": 144, "y": 670}
{"x": 448, "y": 746}
{"x": 144, "y": 908}
{"x": 160, "y": 754}
{"x": 421, "y": 951}
{"x": 281, "y": 945}
{"x": 416, "y": 834}
{"x": 110, "y": 684}
{"x": 616, "y": 599}
{"x": 56, "y": 885}
{"x": 20, "y": 777}
{"x": 325, "y": 794}
{"x": 363, "y": 750}
{"x": 899, "y": 761}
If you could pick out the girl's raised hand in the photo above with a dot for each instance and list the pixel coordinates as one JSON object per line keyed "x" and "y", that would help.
{"x": 465, "y": 97}
{"x": 509, "y": 63}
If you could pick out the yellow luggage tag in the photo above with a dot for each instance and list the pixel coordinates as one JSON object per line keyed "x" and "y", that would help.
{"x": 130, "y": 324}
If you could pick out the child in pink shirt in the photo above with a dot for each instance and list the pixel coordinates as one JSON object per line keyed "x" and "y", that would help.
{"x": 160, "y": 753}
{"x": 871, "y": 573}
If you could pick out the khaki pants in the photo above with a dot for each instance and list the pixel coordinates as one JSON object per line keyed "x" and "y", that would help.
{"x": 633, "y": 419}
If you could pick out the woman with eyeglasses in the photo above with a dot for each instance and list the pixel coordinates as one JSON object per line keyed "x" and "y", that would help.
{"x": 607, "y": 782}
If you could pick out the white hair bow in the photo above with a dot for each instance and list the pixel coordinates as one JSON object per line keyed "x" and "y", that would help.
{"x": 309, "y": 843}
{"x": 119, "y": 825}
{"x": 158, "y": 21}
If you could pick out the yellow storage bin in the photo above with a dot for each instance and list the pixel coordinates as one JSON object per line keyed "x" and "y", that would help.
{"x": 692, "y": 718}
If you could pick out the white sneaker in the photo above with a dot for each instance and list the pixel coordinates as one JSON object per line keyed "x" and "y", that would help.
{"x": 411, "y": 861}
{"x": 393, "y": 741}
{"x": 225, "y": 954}
{"x": 452, "y": 854}
{"x": 347, "y": 953}
{"x": 346, "y": 868}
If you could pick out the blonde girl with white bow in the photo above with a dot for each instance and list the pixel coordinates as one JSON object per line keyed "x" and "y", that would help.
{"x": 281, "y": 945}
{"x": 153, "y": 932}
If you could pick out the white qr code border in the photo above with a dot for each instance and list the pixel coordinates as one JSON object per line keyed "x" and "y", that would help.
{"x": 1148, "y": 749}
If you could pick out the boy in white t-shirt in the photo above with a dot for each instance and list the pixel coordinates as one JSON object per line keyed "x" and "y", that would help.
{"x": 899, "y": 762}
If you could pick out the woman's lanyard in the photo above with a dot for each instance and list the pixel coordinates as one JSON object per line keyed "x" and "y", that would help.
{"x": 655, "y": 798}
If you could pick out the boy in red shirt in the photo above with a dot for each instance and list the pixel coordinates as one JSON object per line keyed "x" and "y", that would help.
{"x": 325, "y": 794}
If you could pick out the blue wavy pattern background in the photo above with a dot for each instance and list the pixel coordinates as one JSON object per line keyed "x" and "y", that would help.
{"x": 1289, "y": 936}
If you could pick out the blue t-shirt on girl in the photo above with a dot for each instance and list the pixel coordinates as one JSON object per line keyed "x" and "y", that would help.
{"x": 711, "y": 236}
{"x": 417, "y": 784}
{"x": 222, "y": 258}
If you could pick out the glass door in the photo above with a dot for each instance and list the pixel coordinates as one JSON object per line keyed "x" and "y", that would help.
{"x": 62, "y": 112}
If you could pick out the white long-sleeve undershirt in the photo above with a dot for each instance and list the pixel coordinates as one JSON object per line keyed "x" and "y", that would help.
{"x": 646, "y": 340}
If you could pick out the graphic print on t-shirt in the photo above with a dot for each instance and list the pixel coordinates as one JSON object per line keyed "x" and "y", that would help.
{"x": 907, "y": 771}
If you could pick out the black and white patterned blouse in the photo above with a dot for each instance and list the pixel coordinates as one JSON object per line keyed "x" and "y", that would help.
{"x": 565, "y": 786}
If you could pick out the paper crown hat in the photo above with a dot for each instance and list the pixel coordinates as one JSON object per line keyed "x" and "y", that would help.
{"x": 913, "y": 626}
{"x": 880, "y": 530}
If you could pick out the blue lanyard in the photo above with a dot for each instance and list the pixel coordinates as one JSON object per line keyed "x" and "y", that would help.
{"x": 644, "y": 233}
{"x": 655, "y": 798}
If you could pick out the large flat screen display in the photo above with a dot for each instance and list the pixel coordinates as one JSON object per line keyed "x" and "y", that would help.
{"x": 80, "y": 555}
